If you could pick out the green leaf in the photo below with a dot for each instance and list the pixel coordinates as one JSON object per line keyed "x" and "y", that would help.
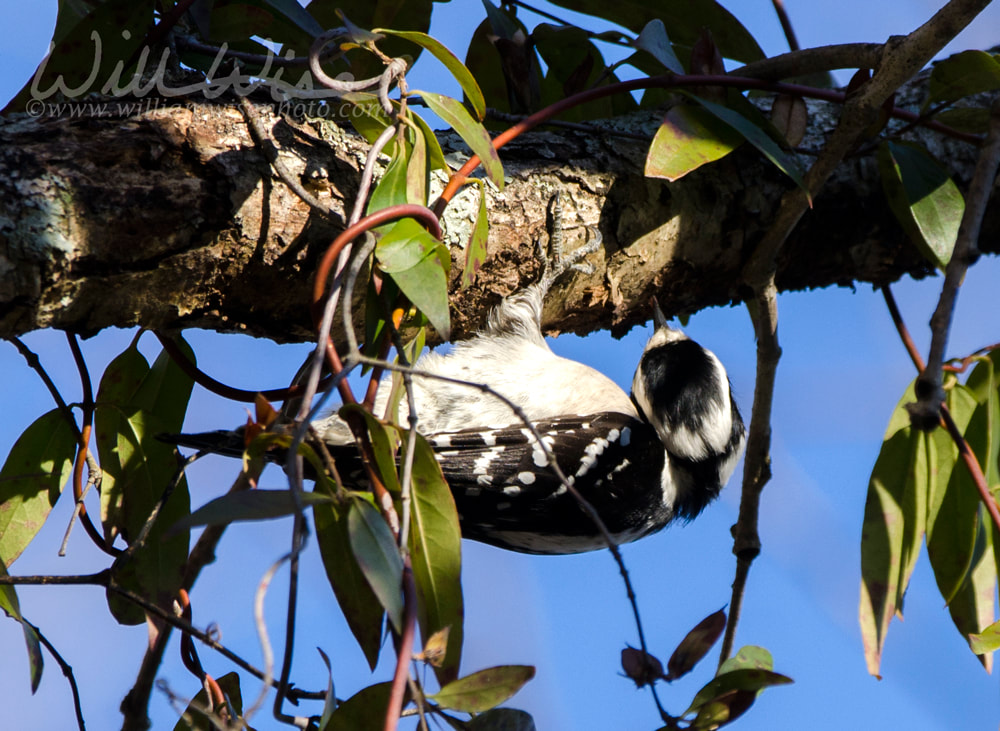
{"x": 973, "y": 607}
{"x": 418, "y": 264}
{"x": 391, "y": 188}
{"x": 134, "y": 404}
{"x": 883, "y": 534}
{"x": 654, "y": 40}
{"x": 434, "y": 153}
{"x": 685, "y": 20}
{"x": 752, "y": 679}
{"x": 688, "y": 138}
{"x": 759, "y": 139}
{"x": 417, "y": 170}
{"x": 383, "y": 438}
{"x": 436, "y": 554}
{"x": 119, "y": 383}
{"x": 145, "y": 466}
{"x": 31, "y": 480}
{"x": 357, "y": 601}
{"x": 502, "y": 719}
{"x": 250, "y": 505}
{"x": 749, "y": 656}
{"x": 986, "y": 641}
{"x": 194, "y": 718}
{"x": 462, "y": 75}
{"x": 12, "y": 608}
{"x": 923, "y": 198}
{"x": 367, "y": 115}
{"x": 952, "y": 503}
{"x": 378, "y": 557}
{"x": 475, "y": 249}
{"x": 473, "y": 133}
{"x": 363, "y": 711}
{"x": 485, "y": 689}
{"x": 983, "y": 432}
{"x": 964, "y": 74}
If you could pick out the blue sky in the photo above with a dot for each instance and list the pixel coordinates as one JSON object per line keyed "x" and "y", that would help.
{"x": 842, "y": 373}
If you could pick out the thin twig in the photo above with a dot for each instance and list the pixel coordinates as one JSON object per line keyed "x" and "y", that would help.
{"x": 786, "y": 24}
{"x": 265, "y": 641}
{"x": 930, "y": 394}
{"x": 269, "y": 148}
{"x": 405, "y": 649}
{"x": 757, "y": 462}
{"x": 67, "y": 670}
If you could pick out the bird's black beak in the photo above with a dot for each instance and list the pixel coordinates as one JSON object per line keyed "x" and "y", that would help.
{"x": 659, "y": 320}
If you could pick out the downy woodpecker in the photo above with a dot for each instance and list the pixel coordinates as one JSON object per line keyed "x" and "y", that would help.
{"x": 641, "y": 461}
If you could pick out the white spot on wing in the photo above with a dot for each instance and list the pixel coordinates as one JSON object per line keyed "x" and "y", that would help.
{"x": 526, "y": 478}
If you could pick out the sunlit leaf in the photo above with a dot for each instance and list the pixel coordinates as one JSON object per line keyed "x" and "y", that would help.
{"x": 383, "y": 442}
{"x": 925, "y": 201}
{"x": 418, "y": 264}
{"x": 688, "y": 138}
{"x": 363, "y": 711}
{"x": 118, "y": 384}
{"x": 952, "y": 503}
{"x": 133, "y": 406}
{"x": 436, "y": 554}
{"x": 473, "y": 133}
{"x": 749, "y": 656}
{"x": 465, "y": 79}
{"x": 882, "y": 534}
{"x": 377, "y": 555}
{"x": 31, "y": 480}
{"x": 758, "y": 138}
{"x": 194, "y": 718}
{"x": 750, "y": 679}
{"x": 973, "y": 608}
{"x": 475, "y": 249}
{"x": 483, "y": 690}
{"x": 435, "y": 155}
{"x": 417, "y": 170}
{"x": 391, "y": 188}
{"x": 357, "y": 601}
{"x": 12, "y": 608}
{"x": 986, "y": 641}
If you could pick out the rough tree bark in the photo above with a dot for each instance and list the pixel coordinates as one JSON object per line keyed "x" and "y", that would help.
{"x": 171, "y": 218}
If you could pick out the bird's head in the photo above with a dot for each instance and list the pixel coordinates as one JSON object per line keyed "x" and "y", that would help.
{"x": 682, "y": 390}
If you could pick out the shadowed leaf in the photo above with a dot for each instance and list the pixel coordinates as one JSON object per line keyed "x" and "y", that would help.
{"x": 376, "y": 553}
{"x": 695, "y": 644}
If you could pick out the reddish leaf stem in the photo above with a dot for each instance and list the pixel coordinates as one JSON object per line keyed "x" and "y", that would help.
{"x": 404, "y": 651}
{"x": 667, "y": 82}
